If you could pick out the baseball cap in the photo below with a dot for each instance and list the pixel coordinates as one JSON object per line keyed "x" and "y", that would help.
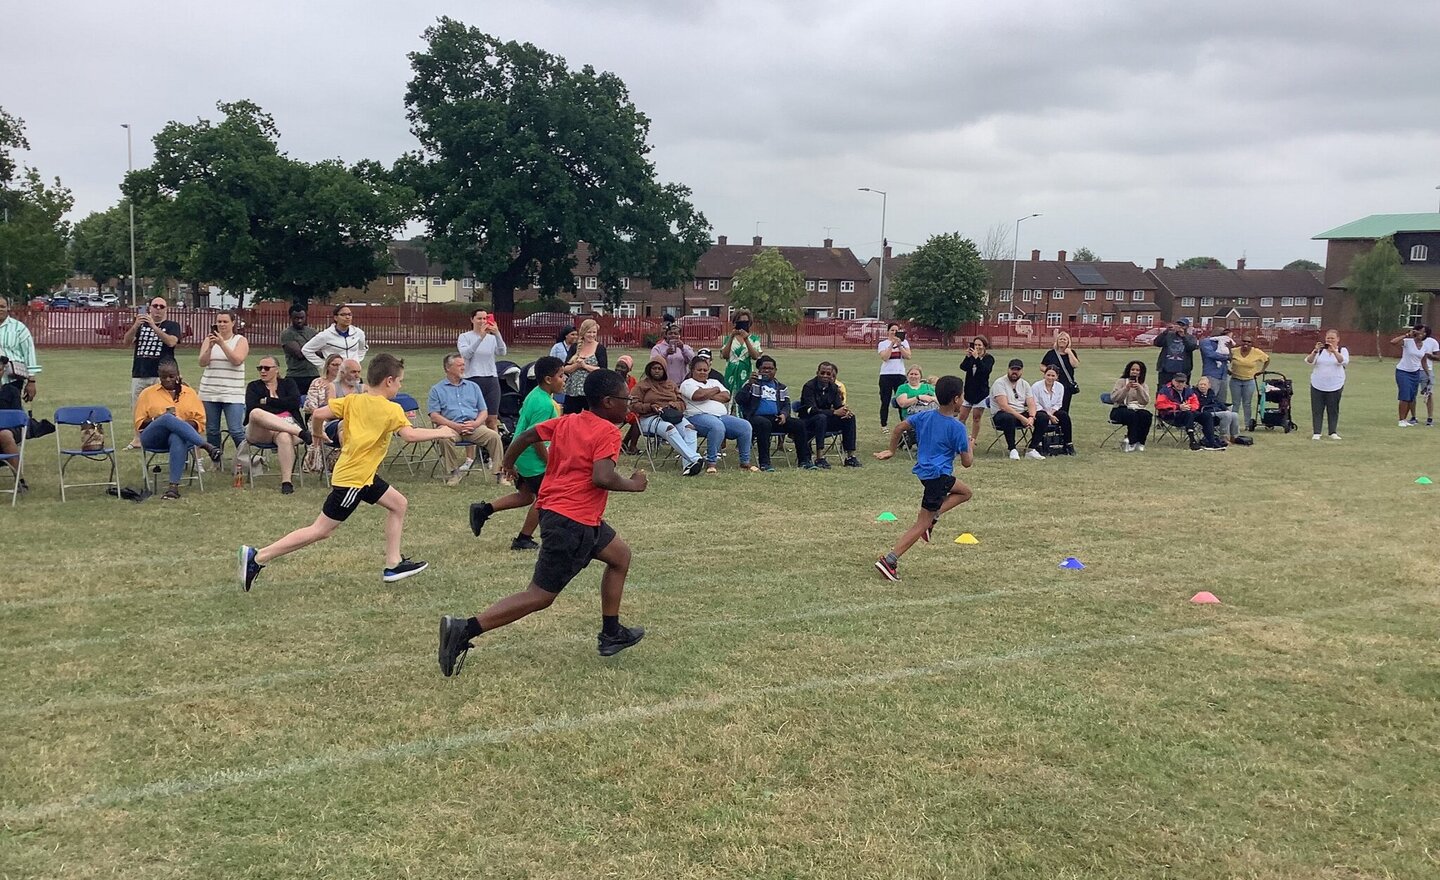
{"x": 1016, "y": 362}
{"x": 704, "y": 353}
{"x": 1183, "y": 322}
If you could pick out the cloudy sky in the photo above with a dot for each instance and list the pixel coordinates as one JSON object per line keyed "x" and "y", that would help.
{"x": 1138, "y": 129}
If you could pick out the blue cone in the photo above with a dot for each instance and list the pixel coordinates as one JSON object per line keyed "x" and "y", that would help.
{"x": 1072, "y": 562}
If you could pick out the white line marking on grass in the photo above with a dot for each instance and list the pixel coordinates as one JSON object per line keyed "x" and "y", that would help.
{"x": 30, "y": 814}
{"x": 51, "y": 601}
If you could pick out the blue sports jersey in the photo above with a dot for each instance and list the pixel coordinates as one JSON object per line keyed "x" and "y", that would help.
{"x": 939, "y": 438}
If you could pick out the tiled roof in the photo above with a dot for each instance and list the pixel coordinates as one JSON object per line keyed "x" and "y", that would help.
{"x": 1281, "y": 282}
{"x": 1378, "y": 226}
{"x": 411, "y": 259}
{"x": 1200, "y": 282}
{"x": 724, "y": 260}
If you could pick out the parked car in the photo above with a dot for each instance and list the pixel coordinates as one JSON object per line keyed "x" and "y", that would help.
{"x": 866, "y": 330}
{"x": 541, "y": 326}
{"x": 700, "y": 328}
{"x": 109, "y": 300}
{"x": 60, "y": 302}
{"x": 1148, "y": 337}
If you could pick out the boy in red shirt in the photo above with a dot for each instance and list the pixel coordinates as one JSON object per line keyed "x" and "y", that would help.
{"x": 579, "y": 474}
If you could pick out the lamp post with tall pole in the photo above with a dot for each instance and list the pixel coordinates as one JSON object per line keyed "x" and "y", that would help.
{"x": 1015, "y": 255}
{"x": 130, "y": 167}
{"x": 880, "y": 294}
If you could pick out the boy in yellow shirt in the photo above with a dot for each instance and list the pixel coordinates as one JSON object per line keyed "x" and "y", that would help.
{"x": 369, "y": 421}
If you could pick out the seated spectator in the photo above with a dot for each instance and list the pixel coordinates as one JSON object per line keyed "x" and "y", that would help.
{"x": 1014, "y": 406}
{"x": 12, "y": 397}
{"x": 170, "y": 417}
{"x": 765, "y": 404}
{"x": 916, "y": 395}
{"x": 320, "y": 392}
{"x": 460, "y": 406}
{"x": 823, "y": 409}
{"x": 1050, "y": 397}
{"x": 1227, "y": 422}
{"x": 323, "y": 387}
{"x": 623, "y": 365}
{"x": 659, "y": 409}
{"x": 273, "y": 415}
{"x": 1130, "y": 406}
{"x": 1178, "y": 405}
{"x": 706, "y": 406}
{"x": 347, "y": 382}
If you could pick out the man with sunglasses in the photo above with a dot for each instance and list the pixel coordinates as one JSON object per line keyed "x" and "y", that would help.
{"x": 154, "y": 336}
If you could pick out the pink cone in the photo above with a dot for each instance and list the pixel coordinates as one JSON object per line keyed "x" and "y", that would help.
{"x": 1204, "y": 599}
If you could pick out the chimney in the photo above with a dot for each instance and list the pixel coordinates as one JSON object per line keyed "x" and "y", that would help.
{"x": 829, "y": 243}
{"x": 887, "y": 251}
{"x": 1035, "y": 256}
{"x": 1159, "y": 262}
{"x": 1240, "y": 263}
{"x": 755, "y": 241}
{"x": 1061, "y": 258}
{"x": 723, "y": 240}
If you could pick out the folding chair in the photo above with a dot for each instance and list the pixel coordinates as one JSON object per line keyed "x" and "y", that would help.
{"x": 461, "y": 445}
{"x": 411, "y": 454}
{"x": 150, "y": 472}
{"x": 656, "y": 452}
{"x": 259, "y": 453}
{"x": 1119, "y": 426}
{"x": 74, "y": 417}
{"x": 1022, "y": 436}
{"x": 19, "y": 420}
{"x": 1164, "y": 430}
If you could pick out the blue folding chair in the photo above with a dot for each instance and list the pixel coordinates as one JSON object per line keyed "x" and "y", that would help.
{"x": 74, "y": 417}
{"x": 150, "y": 472}
{"x": 412, "y": 454}
{"x": 259, "y": 460}
{"x": 1119, "y": 426}
{"x": 19, "y": 421}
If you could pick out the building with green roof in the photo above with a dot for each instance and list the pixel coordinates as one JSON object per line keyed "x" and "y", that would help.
{"x": 1417, "y": 238}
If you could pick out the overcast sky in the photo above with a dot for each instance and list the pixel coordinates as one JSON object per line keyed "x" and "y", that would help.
{"x": 1137, "y": 129}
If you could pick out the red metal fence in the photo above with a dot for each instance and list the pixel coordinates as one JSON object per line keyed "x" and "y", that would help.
{"x": 432, "y": 326}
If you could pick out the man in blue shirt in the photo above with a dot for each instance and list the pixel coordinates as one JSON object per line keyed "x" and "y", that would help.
{"x": 765, "y": 403}
{"x": 455, "y": 403}
{"x": 940, "y": 437}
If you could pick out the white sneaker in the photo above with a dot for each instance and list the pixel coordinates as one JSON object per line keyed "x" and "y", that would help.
{"x": 1127, "y": 447}
{"x": 1139, "y": 447}
{"x": 1334, "y": 436}
{"x": 465, "y": 465}
{"x": 1014, "y": 455}
{"x": 1404, "y": 424}
{"x": 1314, "y": 436}
{"x": 1035, "y": 454}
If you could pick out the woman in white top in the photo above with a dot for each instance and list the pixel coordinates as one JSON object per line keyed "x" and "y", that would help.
{"x": 222, "y": 384}
{"x": 893, "y": 351}
{"x": 707, "y": 406}
{"x": 1410, "y": 372}
{"x": 342, "y": 338}
{"x": 479, "y": 346}
{"x": 1327, "y": 380}
{"x": 1049, "y": 396}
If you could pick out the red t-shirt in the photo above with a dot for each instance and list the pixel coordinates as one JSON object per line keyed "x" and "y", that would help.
{"x": 576, "y": 442}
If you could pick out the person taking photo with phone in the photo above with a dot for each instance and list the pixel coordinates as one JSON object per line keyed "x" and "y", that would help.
{"x": 480, "y": 346}
{"x": 1327, "y": 381}
{"x": 740, "y": 350}
{"x": 893, "y": 350}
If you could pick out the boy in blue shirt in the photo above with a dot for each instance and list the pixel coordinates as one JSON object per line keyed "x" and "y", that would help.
{"x": 940, "y": 436}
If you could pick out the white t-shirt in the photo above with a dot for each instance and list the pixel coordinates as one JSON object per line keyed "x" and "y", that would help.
{"x": 711, "y": 407}
{"x": 1410, "y": 353}
{"x": 1328, "y": 373}
{"x": 893, "y": 366}
{"x": 1048, "y": 400}
{"x": 1017, "y": 393}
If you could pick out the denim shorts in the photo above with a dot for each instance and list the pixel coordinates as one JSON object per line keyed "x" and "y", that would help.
{"x": 1408, "y": 381}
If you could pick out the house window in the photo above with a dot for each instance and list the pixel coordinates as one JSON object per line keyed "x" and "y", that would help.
{"x": 1124, "y": 319}
{"x": 1267, "y": 322}
{"x": 1145, "y": 321}
{"x": 592, "y": 283}
{"x": 697, "y": 283}
{"x": 702, "y": 312}
{"x": 1005, "y": 316}
{"x": 1242, "y": 300}
{"x": 1053, "y": 319}
{"x": 1089, "y": 296}
{"x": 1318, "y": 301}
{"x": 1286, "y": 301}
{"x": 1414, "y": 311}
{"x": 575, "y": 308}
{"x": 810, "y": 286}
{"x": 1207, "y": 301}
{"x": 823, "y": 286}
{"x": 625, "y": 285}
{"x": 1187, "y": 302}
{"x": 467, "y": 283}
{"x": 1007, "y": 296}
{"x": 714, "y": 284}
{"x": 389, "y": 280}
{"x": 1091, "y": 319}
{"x": 847, "y": 286}
{"x": 626, "y": 310}
{"x": 1136, "y": 296}
{"x": 1266, "y": 302}
{"x": 1300, "y": 301}
{"x": 1057, "y": 294}
{"x": 1107, "y": 320}
{"x": 847, "y": 314}
{"x": 1419, "y": 253}
{"x": 1109, "y": 295}
{"x": 1025, "y": 295}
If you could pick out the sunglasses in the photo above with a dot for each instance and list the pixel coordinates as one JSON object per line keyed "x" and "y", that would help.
{"x": 158, "y": 306}
{"x": 263, "y": 367}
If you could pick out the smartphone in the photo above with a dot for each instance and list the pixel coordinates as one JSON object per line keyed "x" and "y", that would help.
{"x": 215, "y": 328}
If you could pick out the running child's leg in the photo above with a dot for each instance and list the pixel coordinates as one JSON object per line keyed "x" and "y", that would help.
{"x": 923, "y": 521}
{"x": 519, "y": 498}
{"x": 319, "y": 530}
{"x": 395, "y": 506}
{"x": 616, "y": 557}
{"x": 515, "y": 606}
{"x": 532, "y": 522}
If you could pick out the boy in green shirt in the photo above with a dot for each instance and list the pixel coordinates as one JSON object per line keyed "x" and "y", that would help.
{"x": 539, "y": 407}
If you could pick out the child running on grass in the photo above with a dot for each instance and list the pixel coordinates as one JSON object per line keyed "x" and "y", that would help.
{"x": 940, "y": 436}
{"x": 539, "y": 406}
{"x": 579, "y": 476}
{"x": 369, "y": 419}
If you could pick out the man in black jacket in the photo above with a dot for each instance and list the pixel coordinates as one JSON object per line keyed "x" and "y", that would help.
{"x": 765, "y": 404}
{"x": 1177, "y": 352}
{"x": 823, "y": 410}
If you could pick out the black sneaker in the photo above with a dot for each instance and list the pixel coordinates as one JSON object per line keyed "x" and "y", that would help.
{"x": 249, "y": 568}
{"x": 453, "y": 645}
{"x": 890, "y": 569}
{"x": 479, "y": 513}
{"x": 611, "y": 645}
{"x": 287, "y": 488}
{"x": 406, "y": 568}
{"x": 215, "y": 453}
{"x": 822, "y": 464}
{"x": 524, "y": 542}
{"x": 852, "y": 461}
{"x": 695, "y": 467}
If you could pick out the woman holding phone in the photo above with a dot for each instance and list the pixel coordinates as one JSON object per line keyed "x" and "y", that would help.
{"x": 977, "y": 366}
{"x": 893, "y": 351}
{"x": 584, "y": 358}
{"x": 1327, "y": 381}
{"x": 479, "y": 346}
{"x": 222, "y": 384}
{"x": 740, "y": 350}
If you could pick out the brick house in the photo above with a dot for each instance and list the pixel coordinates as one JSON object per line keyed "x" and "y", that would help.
{"x": 1239, "y": 297}
{"x": 413, "y": 277}
{"x": 1059, "y": 292}
{"x": 1417, "y": 238}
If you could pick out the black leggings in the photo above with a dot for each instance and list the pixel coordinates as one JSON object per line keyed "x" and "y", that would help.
{"x": 888, "y": 383}
{"x": 1136, "y": 422}
{"x": 1328, "y": 403}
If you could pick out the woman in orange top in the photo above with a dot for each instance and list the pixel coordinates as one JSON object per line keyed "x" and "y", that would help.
{"x": 170, "y": 416}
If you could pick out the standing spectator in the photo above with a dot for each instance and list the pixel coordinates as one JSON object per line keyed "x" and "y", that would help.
{"x": 1215, "y": 362}
{"x": 674, "y": 354}
{"x": 461, "y": 406}
{"x": 977, "y": 367}
{"x": 1050, "y": 397}
{"x": 154, "y": 337}
{"x": 170, "y": 416}
{"x": 480, "y": 345}
{"x": 823, "y": 409}
{"x": 298, "y": 368}
{"x": 1130, "y": 406}
{"x": 583, "y": 358}
{"x": 272, "y": 415}
{"x": 11, "y": 398}
{"x": 564, "y": 341}
{"x": 739, "y": 350}
{"x": 1327, "y": 380}
{"x": 1246, "y": 362}
{"x": 707, "y": 408}
{"x": 1014, "y": 406}
{"x": 18, "y": 346}
{"x": 222, "y": 384}
{"x": 1177, "y": 351}
{"x": 1066, "y": 362}
{"x": 893, "y": 351}
{"x": 342, "y": 338}
{"x": 765, "y": 403}
{"x": 1412, "y": 370}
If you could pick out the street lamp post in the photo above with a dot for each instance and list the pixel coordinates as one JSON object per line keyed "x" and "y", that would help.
{"x": 1015, "y": 256}
{"x": 130, "y": 166}
{"x": 880, "y": 294}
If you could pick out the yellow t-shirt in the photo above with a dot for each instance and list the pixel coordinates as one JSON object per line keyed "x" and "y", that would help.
{"x": 369, "y": 422}
{"x": 1244, "y": 367}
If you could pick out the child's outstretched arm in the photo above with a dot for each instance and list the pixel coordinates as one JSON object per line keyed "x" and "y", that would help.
{"x": 412, "y": 434}
{"x": 895, "y": 434}
{"x": 604, "y": 475}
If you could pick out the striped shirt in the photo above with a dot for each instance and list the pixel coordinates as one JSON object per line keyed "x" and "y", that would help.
{"x": 222, "y": 381}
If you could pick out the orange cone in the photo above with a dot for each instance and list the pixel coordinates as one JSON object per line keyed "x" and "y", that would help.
{"x": 1203, "y": 598}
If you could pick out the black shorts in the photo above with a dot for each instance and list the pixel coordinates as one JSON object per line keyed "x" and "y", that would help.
{"x": 936, "y": 489}
{"x": 342, "y": 500}
{"x": 566, "y": 547}
{"x": 530, "y": 484}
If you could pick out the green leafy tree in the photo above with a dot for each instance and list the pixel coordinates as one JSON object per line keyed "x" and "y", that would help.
{"x": 1380, "y": 289}
{"x": 1307, "y": 265}
{"x": 33, "y": 240}
{"x": 100, "y": 245}
{"x": 522, "y": 158}
{"x": 942, "y": 285}
{"x": 769, "y": 287}
{"x": 1084, "y": 255}
{"x": 12, "y": 137}
{"x": 1200, "y": 263}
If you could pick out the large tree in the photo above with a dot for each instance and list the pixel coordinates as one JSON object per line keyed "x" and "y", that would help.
{"x": 522, "y": 158}
{"x": 223, "y": 204}
{"x": 100, "y": 245}
{"x": 12, "y": 137}
{"x": 1380, "y": 290}
{"x": 1307, "y": 265}
{"x": 1200, "y": 263}
{"x": 33, "y": 236}
{"x": 769, "y": 287}
{"x": 1084, "y": 255}
{"x": 942, "y": 285}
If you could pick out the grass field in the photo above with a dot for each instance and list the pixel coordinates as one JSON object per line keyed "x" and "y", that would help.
{"x": 790, "y": 714}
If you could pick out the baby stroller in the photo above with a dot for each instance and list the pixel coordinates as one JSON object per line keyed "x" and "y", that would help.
{"x": 508, "y": 411}
{"x": 1276, "y": 392}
